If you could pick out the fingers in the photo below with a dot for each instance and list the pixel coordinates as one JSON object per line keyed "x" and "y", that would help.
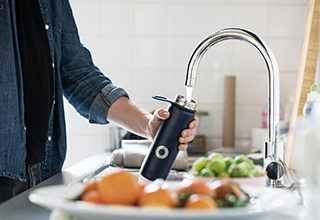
{"x": 183, "y": 146}
{"x": 162, "y": 114}
{"x": 187, "y": 135}
{"x": 186, "y": 139}
{"x": 194, "y": 123}
{"x": 158, "y": 116}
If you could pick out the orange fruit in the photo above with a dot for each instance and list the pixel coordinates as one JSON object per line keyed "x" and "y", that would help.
{"x": 91, "y": 186}
{"x": 220, "y": 190}
{"x": 91, "y": 196}
{"x": 200, "y": 201}
{"x": 119, "y": 187}
{"x": 158, "y": 195}
{"x": 194, "y": 186}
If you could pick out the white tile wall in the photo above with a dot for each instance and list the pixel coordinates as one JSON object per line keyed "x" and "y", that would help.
{"x": 116, "y": 17}
{"x": 150, "y": 18}
{"x": 285, "y": 21}
{"x": 253, "y": 17}
{"x": 149, "y": 52}
{"x": 144, "y": 46}
{"x": 184, "y": 18}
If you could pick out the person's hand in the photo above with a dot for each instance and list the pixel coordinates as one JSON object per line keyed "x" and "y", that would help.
{"x": 187, "y": 135}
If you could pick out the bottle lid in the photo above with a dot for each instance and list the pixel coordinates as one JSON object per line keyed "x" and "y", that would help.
{"x": 180, "y": 100}
{"x": 313, "y": 95}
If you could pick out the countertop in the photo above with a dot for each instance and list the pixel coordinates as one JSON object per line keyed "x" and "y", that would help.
{"x": 21, "y": 208}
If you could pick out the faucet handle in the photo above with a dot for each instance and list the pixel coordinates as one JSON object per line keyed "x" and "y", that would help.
{"x": 273, "y": 164}
{"x": 275, "y": 170}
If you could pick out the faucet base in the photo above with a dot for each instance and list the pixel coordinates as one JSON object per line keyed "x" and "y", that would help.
{"x": 275, "y": 183}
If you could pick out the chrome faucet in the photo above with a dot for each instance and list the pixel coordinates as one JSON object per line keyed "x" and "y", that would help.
{"x": 273, "y": 153}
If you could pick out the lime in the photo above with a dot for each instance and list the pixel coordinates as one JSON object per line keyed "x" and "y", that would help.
{"x": 258, "y": 171}
{"x": 217, "y": 165}
{"x": 238, "y": 170}
{"x": 224, "y": 175}
{"x": 251, "y": 174}
{"x": 207, "y": 172}
{"x": 215, "y": 155}
{"x": 240, "y": 158}
{"x": 193, "y": 172}
{"x": 199, "y": 164}
{"x": 251, "y": 164}
{"x": 228, "y": 160}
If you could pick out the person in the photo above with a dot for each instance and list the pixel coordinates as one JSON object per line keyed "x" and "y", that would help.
{"x": 42, "y": 60}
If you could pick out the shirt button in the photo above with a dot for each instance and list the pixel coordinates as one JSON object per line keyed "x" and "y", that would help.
{"x": 46, "y": 26}
{"x": 52, "y": 65}
{"x": 49, "y": 138}
{"x": 54, "y": 102}
{"x": 25, "y": 128}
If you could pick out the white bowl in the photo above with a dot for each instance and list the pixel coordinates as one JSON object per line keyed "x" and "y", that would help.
{"x": 254, "y": 181}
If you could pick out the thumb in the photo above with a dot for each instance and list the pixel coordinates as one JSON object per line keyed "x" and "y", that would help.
{"x": 161, "y": 114}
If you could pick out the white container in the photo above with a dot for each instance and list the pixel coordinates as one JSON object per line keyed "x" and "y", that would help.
{"x": 258, "y": 137}
{"x": 313, "y": 96}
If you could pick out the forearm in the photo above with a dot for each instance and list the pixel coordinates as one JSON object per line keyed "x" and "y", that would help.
{"x": 126, "y": 114}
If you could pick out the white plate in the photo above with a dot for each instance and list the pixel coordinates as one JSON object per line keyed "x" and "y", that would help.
{"x": 268, "y": 201}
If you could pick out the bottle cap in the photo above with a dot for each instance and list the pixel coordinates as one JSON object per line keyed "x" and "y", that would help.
{"x": 180, "y": 100}
{"x": 313, "y": 88}
{"x": 313, "y": 95}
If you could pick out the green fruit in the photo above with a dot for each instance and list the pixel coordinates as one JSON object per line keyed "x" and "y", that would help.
{"x": 231, "y": 167}
{"x": 258, "y": 171}
{"x": 255, "y": 172}
{"x": 262, "y": 172}
{"x": 228, "y": 161}
{"x": 251, "y": 164}
{"x": 240, "y": 158}
{"x": 215, "y": 155}
{"x": 193, "y": 172}
{"x": 207, "y": 172}
{"x": 238, "y": 170}
{"x": 199, "y": 164}
{"x": 251, "y": 174}
{"x": 217, "y": 165}
{"x": 224, "y": 175}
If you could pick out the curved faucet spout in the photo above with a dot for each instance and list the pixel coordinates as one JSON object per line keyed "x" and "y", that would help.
{"x": 273, "y": 76}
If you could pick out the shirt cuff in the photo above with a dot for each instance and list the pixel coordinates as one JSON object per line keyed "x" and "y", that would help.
{"x": 102, "y": 102}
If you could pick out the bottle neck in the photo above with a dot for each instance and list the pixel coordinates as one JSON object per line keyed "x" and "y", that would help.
{"x": 313, "y": 96}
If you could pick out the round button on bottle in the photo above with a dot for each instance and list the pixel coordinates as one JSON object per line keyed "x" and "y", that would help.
{"x": 162, "y": 152}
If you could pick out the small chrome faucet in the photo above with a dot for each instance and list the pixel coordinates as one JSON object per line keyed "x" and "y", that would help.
{"x": 273, "y": 153}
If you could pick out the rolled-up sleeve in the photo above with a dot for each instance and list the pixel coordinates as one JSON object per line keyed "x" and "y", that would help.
{"x": 102, "y": 102}
{"x": 89, "y": 91}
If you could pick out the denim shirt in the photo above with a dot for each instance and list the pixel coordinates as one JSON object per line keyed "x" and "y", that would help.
{"x": 75, "y": 76}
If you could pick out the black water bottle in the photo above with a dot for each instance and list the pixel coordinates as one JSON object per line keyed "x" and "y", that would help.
{"x": 164, "y": 148}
